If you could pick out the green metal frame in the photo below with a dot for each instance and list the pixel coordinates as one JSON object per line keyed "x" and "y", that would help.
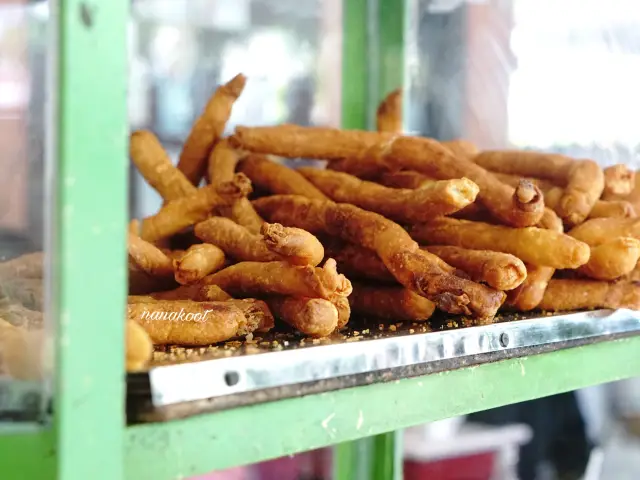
{"x": 88, "y": 438}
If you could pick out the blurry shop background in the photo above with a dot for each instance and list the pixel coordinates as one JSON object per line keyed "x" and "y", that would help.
{"x": 557, "y": 75}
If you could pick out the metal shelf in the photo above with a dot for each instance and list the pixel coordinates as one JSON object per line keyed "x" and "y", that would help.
{"x": 285, "y": 366}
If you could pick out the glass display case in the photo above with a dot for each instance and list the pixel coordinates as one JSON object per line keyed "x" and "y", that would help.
{"x": 77, "y": 78}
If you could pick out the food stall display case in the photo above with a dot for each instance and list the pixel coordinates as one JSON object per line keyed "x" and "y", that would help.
{"x": 487, "y": 71}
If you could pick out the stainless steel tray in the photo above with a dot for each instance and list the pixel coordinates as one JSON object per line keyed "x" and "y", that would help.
{"x": 285, "y": 365}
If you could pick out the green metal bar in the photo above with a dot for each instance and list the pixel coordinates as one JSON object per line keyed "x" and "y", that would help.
{"x": 351, "y": 460}
{"x": 270, "y": 430}
{"x": 355, "y": 92}
{"x": 387, "y": 456}
{"x": 391, "y": 28}
{"x": 89, "y": 244}
{"x": 28, "y": 455}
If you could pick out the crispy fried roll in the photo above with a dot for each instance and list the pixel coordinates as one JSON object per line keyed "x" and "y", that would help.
{"x": 296, "y": 245}
{"x": 612, "y": 208}
{"x": 139, "y": 347}
{"x": 501, "y": 271}
{"x": 405, "y": 179}
{"x": 618, "y": 180}
{"x": 532, "y": 245}
{"x": 389, "y": 113}
{"x": 344, "y": 310}
{"x": 30, "y": 265}
{"x": 21, "y": 351}
{"x": 392, "y": 303}
{"x": 359, "y": 262}
{"x": 461, "y": 148}
{"x": 315, "y": 317}
{"x": 584, "y": 187}
{"x": 195, "y": 292}
{"x": 208, "y": 129}
{"x": 403, "y": 205}
{"x": 566, "y": 295}
{"x": 198, "y": 262}
{"x": 148, "y": 257}
{"x": 612, "y": 259}
{"x": 600, "y": 230}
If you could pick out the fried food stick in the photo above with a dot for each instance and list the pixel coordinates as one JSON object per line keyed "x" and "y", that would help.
{"x": 417, "y": 270}
{"x": 198, "y": 262}
{"x": 600, "y": 230}
{"x": 403, "y": 205}
{"x": 514, "y": 180}
{"x": 532, "y": 245}
{"x": 208, "y": 129}
{"x": 156, "y": 167}
{"x": 191, "y": 323}
{"x": 566, "y": 295}
{"x": 222, "y": 166}
{"x": 30, "y": 265}
{"x": 584, "y": 188}
{"x": 25, "y": 291}
{"x": 276, "y": 178}
{"x": 21, "y": 351}
{"x": 405, "y": 179}
{"x": 315, "y": 317}
{"x": 276, "y": 278}
{"x": 148, "y": 257}
{"x": 392, "y": 303}
{"x": 195, "y": 292}
{"x": 184, "y": 212}
{"x": 461, "y": 148}
{"x": 389, "y": 113}
{"x": 235, "y": 240}
{"x": 613, "y": 208}
{"x": 612, "y": 259}
{"x": 298, "y": 246}
{"x": 501, "y": 271}
{"x": 344, "y": 310}
{"x": 618, "y": 180}
{"x": 139, "y": 347}
{"x": 359, "y": 262}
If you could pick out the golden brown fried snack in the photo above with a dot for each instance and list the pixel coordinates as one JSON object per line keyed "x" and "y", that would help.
{"x": 315, "y": 317}
{"x": 600, "y": 230}
{"x": 405, "y": 179}
{"x": 344, "y": 310}
{"x": 532, "y": 245}
{"x": 28, "y": 292}
{"x": 372, "y": 169}
{"x": 198, "y": 262}
{"x": 235, "y": 240}
{"x": 612, "y": 208}
{"x": 184, "y": 212}
{"x": 612, "y": 259}
{"x": 461, "y": 148}
{"x": 139, "y": 347}
{"x": 277, "y": 178}
{"x": 196, "y": 292}
{"x": 551, "y": 221}
{"x": 208, "y": 129}
{"x": 20, "y": 316}
{"x": 298, "y": 246}
{"x": 148, "y": 257}
{"x": 30, "y": 265}
{"x": 416, "y": 269}
{"x": 566, "y": 295}
{"x": 392, "y": 303}
{"x": 359, "y": 262}
{"x": 155, "y": 166}
{"x": 514, "y": 180}
{"x": 584, "y": 187}
{"x": 403, "y": 205}
{"x": 389, "y": 113}
{"x": 257, "y": 313}
{"x": 501, "y": 271}
{"x": 192, "y": 323}
{"x": 529, "y": 295}
{"x": 618, "y": 180}
{"x": 527, "y": 164}
{"x": 21, "y": 351}
{"x": 275, "y": 278}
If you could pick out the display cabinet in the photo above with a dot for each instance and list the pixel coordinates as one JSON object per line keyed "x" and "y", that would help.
{"x": 82, "y": 74}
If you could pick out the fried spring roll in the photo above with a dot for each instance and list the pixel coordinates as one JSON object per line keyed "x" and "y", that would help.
{"x": 30, "y": 265}
{"x": 257, "y": 313}
{"x": 25, "y": 291}
{"x": 156, "y": 167}
{"x": 184, "y": 212}
{"x": 275, "y": 278}
{"x": 21, "y": 352}
{"x": 277, "y": 178}
{"x": 208, "y": 129}
{"x": 461, "y": 148}
{"x": 148, "y": 257}
{"x": 389, "y": 113}
{"x": 618, "y": 180}
{"x": 612, "y": 208}
{"x": 527, "y": 164}
{"x": 235, "y": 240}
{"x": 403, "y": 205}
{"x": 392, "y": 303}
{"x": 139, "y": 347}
{"x": 298, "y": 246}
{"x": 566, "y": 295}
{"x": 191, "y": 323}
{"x": 514, "y": 180}
{"x": 419, "y": 271}
{"x": 600, "y": 230}
{"x": 315, "y": 317}
{"x": 532, "y": 245}
{"x": 584, "y": 187}
{"x": 196, "y": 292}
{"x": 501, "y": 271}
{"x": 344, "y": 310}
{"x": 20, "y": 316}
{"x": 612, "y": 259}
{"x": 405, "y": 179}
{"x": 359, "y": 262}
{"x": 198, "y": 262}
{"x": 529, "y": 295}
{"x": 371, "y": 169}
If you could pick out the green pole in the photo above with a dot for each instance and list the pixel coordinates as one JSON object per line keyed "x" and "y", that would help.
{"x": 89, "y": 254}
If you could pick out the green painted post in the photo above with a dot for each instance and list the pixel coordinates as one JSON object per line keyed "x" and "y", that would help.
{"x": 89, "y": 242}
{"x": 355, "y": 66}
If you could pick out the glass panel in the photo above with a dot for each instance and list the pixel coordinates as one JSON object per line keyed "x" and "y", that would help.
{"x": 180, "y": 51}
{"x": 23, "y": 78}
